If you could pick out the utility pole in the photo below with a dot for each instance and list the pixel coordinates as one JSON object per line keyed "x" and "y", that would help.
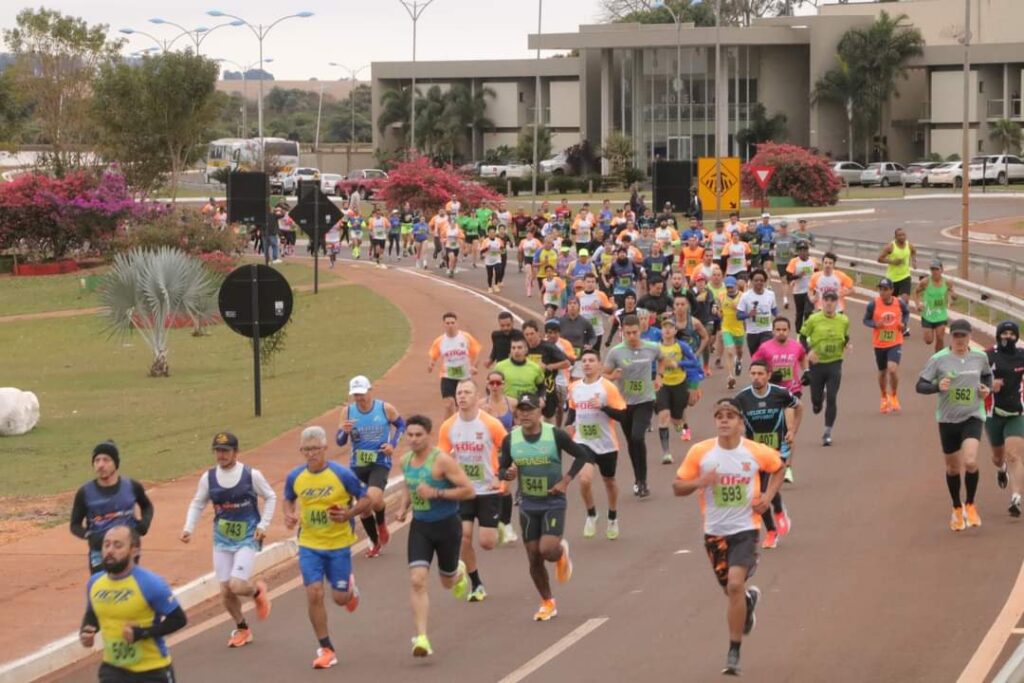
{"x": 965, "y": 154}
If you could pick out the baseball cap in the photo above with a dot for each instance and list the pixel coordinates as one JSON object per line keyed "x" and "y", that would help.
{"x": 783, "y": 223}
{"x": 584, "y": 252}
{"x": 960, "y": 326}
{"x": 565, "y": 248}
{"x": 552, "y": 325}
{"x": 730, "y": 281}
{"x": 830, "y": 294}
{"x": 359, "y": 385}
{"x": 802, "y": 245}
{"x": 885, "y": 283}
{"x": 529, "y": 400}
{"x": 225, "y": 441}
{"x": 728, "y": 404}
{"x": 936, "y": 263}
{"x": 699, "y": 276}
{"x": 766, "y": 215}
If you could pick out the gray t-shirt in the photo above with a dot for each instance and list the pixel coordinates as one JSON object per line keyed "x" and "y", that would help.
{"x": 636, "y": 382}
{"x": 962, "y": 401}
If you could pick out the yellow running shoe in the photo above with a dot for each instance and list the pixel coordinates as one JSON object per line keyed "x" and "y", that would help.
{"x": 956, "y": 522}
{"x": 971, "y": 512}
{"x": 421, "y": 647}
{"x": 547, "y": 610}
{"x": 461, "y": 586}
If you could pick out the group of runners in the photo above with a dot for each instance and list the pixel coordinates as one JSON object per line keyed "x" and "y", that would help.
{"x": 633, "y": 332}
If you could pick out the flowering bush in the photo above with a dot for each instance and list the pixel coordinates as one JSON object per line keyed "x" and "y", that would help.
{"x": 428, "y": 187}
{"x": 799, "y": 174}
{"x": 218, "y": 261}
{"x": 186, "y": 231}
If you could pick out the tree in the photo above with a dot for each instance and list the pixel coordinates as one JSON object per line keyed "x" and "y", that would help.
{"x": 469, "y": 110}
{"x": 150, "y": 291}
{"x": 56, "y": 58}
{"x": 1007, "y": 135}
{"x": 524, "y": 145}
{"x": 14, "y": 113}
{"x": 762, "y": 128}
{"x": 618, "y": 150}
{"x": 800, "y": 174}
{"x": 154, "y": 116}
{"x": 841, "y": 85}
{"x": 427, "y": 187}
{"x": 702, "y": 13}
{"x": 395, "y": 108}
{"x": 339, "y": 123}
{"x": 431, "y": 137}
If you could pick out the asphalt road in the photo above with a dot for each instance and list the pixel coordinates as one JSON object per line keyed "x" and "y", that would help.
{"x": 869, "y": 586}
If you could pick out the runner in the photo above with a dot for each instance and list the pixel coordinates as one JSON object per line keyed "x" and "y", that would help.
{"x": 887, "y": 316}
{"x": 1005, "y": 423}
{"x": 438, "y": 228}
{"x": 900, "y": 256}
{"x": 521, "y": 374}
{"x": 594, "y": 431}
{"x": 732, "y": 329}
{"x": 453, "y": 239}
{"x": 726, "y": 471}
{"x": 458, "y": 353}
{"x": 552, "y": 335}
{"x": 787, "y": 362}
{"x": 503, "y": 407}
{"x": 736, "y": 255}
{"x": 528, "y": 250}
{"x": 629, "y": 365}
{"x": 578, "y": 332}
{"x": 472, "y": 437}
{"x": 622, "y": 276}
{"x": 551, "y": 358}
{"x": 134, "y": 610}
{"x": 826, "y": 336}
{"x": 368, "y": 423}
{"x": 501, "y": 339}
{"x": 594, "y": 306}
{"x": 656, "y": 301}
{"x": 532, "y": 454}
{"x": 434, "y": 487}
{"x": 963, "y": 379}
{"x": 785, "y": 250}
{"x": 829, "y": 279}
{"x": 326, "y": 497}
{"x": 799, "y": 271}
{"x": 394, "y": 232}
{"x": 333, "y": 241}
{"x": 552, "y": 290}
{"x": 355, "y": 233}
{"x": 420, "y": 235}
{"x": 108, "y": 501}
{"x": 771, "y": 415}
{"x": 492, "y": 248}
{"x": 583, "y": 228}
{"x": 683, "y": 373}
{"x": 764, "y": 235}
{"x": 757, "y": 308}
{"x": 469, "y": 223}
{"x": 932, "y": 297}
{"x": 406, "y": 219}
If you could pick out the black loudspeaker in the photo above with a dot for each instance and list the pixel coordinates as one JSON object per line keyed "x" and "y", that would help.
{"x": 248, "y": 197}
{"x": 672, "y": 182}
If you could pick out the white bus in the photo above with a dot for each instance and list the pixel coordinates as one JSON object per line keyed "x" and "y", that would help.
{"x": 241, "y": 154}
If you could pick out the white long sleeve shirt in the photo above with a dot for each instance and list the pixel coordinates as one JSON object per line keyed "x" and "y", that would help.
{"x": 227, "y": 479}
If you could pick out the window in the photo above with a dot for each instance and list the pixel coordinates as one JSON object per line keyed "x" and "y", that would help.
{"x": 522, "y": 97}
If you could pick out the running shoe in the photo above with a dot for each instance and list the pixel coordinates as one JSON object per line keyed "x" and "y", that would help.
{"x": 971, "y": 512}
{"x": 353, "y": 603}
{"x": 816, "y": 407}
{"x": 374, "y": 550}
{"x": 826, "y": 438}
{"x": 718, "y": 363}
{"x": 1015, "y": 505}
{"x": 461, "y": 587}
{"x": 732, "y": 663}
{"x": 644, "y": 491}
{"x": 739, "y": 368}
{"x": 687, "y": 434}
{"x": 894, "y": 404}
{"x": 490, "y": 290}
{"x": 788, "y": 476}
{"x": 1001, "y": 477}
{"x": 884, "y": 407}
{"x": 421, "y": 647}
{"x": 510, "y": 535}
{"x": 731, "y": 384}
{"x": 957, "y": 522}
{"x": 262, "y": 600}
{"x": 771, "y": 540}
{"x": 325, "y": 658}
{"x": 666, "y": 459}
{"x": 240, "y": 637}
{"x": 613, "y": 529}
{"x": 753, "y": 596}
{"x": 590, "y": 527}
{"x": 782, "y": 522}
{"x": 383, "y": 534}
{"x": 563, "y": 568}
{"x": 636, "y": 488}
{"x": 785, "y": 302}
{"x": 501, "y": 533}
{"x": 547, "y": 610}
{"x": 478, "y": 594}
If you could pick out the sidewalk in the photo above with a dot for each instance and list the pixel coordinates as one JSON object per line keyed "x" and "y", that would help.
{"x": 45, "y": 574}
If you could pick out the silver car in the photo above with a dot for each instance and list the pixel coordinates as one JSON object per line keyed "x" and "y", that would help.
{"x": 917, "y": 173}
{"x": 847, "y": 171}
{"x": 884, "y": 173}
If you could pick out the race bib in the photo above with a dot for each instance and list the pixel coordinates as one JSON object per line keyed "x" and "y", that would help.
{"x": 887, "y": 335}
{"x": 736, "y": 260}
{"x": 366, "y": 458}
{"x": 625, "y": 282}
{"x": 474, "y": 470}
{"x": 456, "y": 372}
{"x": 234, "y": 530}
{"x": 963, "y": 396}
{"x": 770, "y": 439}
{"x": 316, "y": 519}
{"x": 730, "y": 496}
{"x": 830, "y": 349}
{"x": 419, "y": 503}
{"x": 762, "y": 320}
{"x": 657, "y": 267}
{"x": 590, "y": 431}
{"x": 121, "y": 653}
{"x": 635, "y": 387}
{"x": 535, "y": 486}
{"x": 786, "y": 372}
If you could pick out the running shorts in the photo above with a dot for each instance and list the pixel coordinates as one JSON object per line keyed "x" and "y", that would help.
{"x": 334, "y": 565}
{"x": 448, "y": 251}
{"x": 485, "y": 509}
{"x": 606, "y": 462}
{"x": 953, "y": 434}
{"x": 406, "y": 228}
{"x": 378, "y": 243}
{"x": 537, "y": 523}
{"x": 448, "y": 386}
{"x": 443, "y": 538}
{"x": 109, "y": 673}
{"x": 755, "y": 339}
{"x": 1002, "y": 427}
{"x": 373, "y": 475}
{"x": 891, "y": 354}
{"x": 928, "y": 325}
{"x": 734, "y": 550}
{"x": 902, "y": 287}
{"x": 674, "y": 399}
{"x": 234, "y": 563}
{"x": 730, "y": 339}
{"x": 780, "y": 268}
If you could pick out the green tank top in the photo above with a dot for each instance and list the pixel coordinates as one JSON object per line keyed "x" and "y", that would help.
{"x": 935, "y": 301}
{"x": 423, "y": 509}
{"x": 539, "y": 463}
{"x": 902, "y": 270}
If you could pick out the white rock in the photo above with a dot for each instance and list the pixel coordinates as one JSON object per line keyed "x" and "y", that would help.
{"x": 19, "y": 411}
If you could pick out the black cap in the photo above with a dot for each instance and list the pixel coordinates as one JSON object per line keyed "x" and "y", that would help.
{"x": 802, "y": 245}
{"x": 960, "y": 326}
{"x": 830, "y": 294}
{"x": 529, "y": 400}
{"x": 108, "y": 448}
{"x": 552, "y": 324}
{"x": 225, "y": 441}
{"x": 885, "y": 283}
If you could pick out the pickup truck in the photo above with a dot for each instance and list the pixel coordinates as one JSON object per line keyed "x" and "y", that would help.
{"x": 506, "y": 170}
{"x": 288, "y": 183}
{"x": 365, "y": 181}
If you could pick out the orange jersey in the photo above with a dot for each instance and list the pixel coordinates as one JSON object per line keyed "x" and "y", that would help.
{"x": 888, "y": 318}
{"x": 456, "y": 354}
{"x": 838, "y": 282}
{"x": 474, "y": 444}
{"x": 692, "y": 259}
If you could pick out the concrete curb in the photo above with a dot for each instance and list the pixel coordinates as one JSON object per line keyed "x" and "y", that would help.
{"x": 983, "y": 237}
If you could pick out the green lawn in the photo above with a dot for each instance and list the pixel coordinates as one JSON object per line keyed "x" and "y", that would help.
{"x": 91, "y": 387}
{"x": 45, "y": 293}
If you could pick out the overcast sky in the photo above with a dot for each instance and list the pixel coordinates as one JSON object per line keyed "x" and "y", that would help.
{"x": 350, "y": 32}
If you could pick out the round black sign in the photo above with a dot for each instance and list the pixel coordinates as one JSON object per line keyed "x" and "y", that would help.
{"x": 255, "y": 294}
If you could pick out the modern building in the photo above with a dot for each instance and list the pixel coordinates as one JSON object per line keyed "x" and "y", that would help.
{"x": 656, "y": 83}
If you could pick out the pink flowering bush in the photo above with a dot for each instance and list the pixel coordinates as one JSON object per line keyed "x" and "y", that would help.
{"x": 428, "y": 187}
{"x": 799, "y": 174}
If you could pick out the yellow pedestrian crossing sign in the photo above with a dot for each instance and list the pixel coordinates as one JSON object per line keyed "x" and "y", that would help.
{"x": 706, "y": 183}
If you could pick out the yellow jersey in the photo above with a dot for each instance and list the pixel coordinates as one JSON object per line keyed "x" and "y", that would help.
{"x": 730, "y": 322}
{"x": 673, "y": 374}
{"x": 316, "y": 493}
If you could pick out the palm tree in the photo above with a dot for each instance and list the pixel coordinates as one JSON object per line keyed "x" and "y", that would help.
{"x": 148, "y": 290}
{"x": 430, "y": 119}
{"x": 469, "y": 107}
{"x": 762, "y": 128}
{"x": 1007, "y": 135}
{"x": 395, "y": 106}
{"x": 840, "y": 85}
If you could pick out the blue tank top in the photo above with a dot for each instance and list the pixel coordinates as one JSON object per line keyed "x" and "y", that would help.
{"x": 235, "y": 511}
{"x": 581, "y": 269}
{"x": 507, "y": 419}
{"x": 103, "y": 511}
{"x": 370, "y": 431}
{"x": 422, "y": 509}
{"x": 622, "y": 277}
{"x": 420, "y": 231}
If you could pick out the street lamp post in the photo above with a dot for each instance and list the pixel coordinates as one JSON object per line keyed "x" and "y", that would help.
{"x": 162, "y": 45}
{"x": 352, "y": 73}
{"x": 677, "y": 86}
{"x": 965, "y": 198}
{"x": 536, "y": 113}
{"x": 415, "y": 9}
{"x": 196, "y": 35}
{"x": 719, "y": 138}
{"x": 245, "y": 89}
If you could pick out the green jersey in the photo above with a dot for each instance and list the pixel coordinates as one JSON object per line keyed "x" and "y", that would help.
{"x": 520, "y": 377}
{"x": 539, "y": 465}
{"x": 423, "y": 509}
{"x": 484, "y": 216}
{"x": 935, "y": 301}
{"x": 961, "y": 401}
{"x": 827, "y": 336}
{"x": 470, "y": 225}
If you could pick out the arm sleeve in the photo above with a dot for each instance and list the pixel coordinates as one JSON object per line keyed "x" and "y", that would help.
{"x": 904, "y": 312}
{"x": 869, "y": 314}
{"x": 145, "y": 506}
{"x": 580, "y": 457}
{"x": 289, "y": 486}
{"x": 199, "y": 501}
{"x": 172, "y": 621}
{"x": 78, "y": 515}
{"x": 928, "y": 381}
{"x": 399, "y": 428}
{"x": 89, "y": 618}
{"x": 505, "y": 460}
{"x": 266, "y": 491}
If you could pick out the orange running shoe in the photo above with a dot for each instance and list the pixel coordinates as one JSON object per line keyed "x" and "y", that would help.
{"x": 771, "y": 540}
{"x": 563, "y": 568}
{"x": 240, "y": 637}
{"x": 894, "y": 404}
{"x": 374, "y": 550}
{"x": 547, "y": 610}
{"x": 957, "y": 522}
{"x": 885, "y": 408}
{"x": 353, "y": 602}
{"x": 325, "y": 658}
{"x": 971, "y": 512}
{"x": 262, "y": 600}
{"x": 383, "y": 533}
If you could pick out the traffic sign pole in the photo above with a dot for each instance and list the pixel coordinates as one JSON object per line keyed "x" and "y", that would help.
{"x": 256, "y": 398}
{"x": 316, "y": 242}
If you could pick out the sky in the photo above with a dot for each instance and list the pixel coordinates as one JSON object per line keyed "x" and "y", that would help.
{"x": 349, "y": 32}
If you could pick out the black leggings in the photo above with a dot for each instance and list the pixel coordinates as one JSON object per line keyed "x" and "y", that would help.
{"x": 634, "y": 425}
{"x": 494, "y": 274}
{"x": 825, "y": 379}
{"x": 803, "y": 306}
{"x": 393, "y": 242}
{"x": 767, "y": 516}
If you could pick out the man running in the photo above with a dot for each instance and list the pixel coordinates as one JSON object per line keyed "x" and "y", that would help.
{"x": 1005, "y": 423}
{"x": 757, "y": 308}
{"x": 472, "y": 437}
{"x": 501, "y": 339}
{"x": 434, "y": 487}
{"x": 551, "y": 358}
{"x": 799, "y": 271}
{"x": 829, "y": 279}
{"x": 888, "y": 317}
{"x": 326, "y": 498}
{"x": 726, "y": 471}
{"x": 678, "y": 390}
{"x": 532, "y": 454}
{"x": 458, "y": 353}
{"x": 107, "y": 501}
{"x": 787, "y": 361}
{"x": 932, "y": 296}
{"x": 732, "y": 329}
{"x": 134, "y": 610}
{"x": 238, "y": 530}
{"x": 628, "y": 364}
{"x": 771, "y": 415}
{"x": 521, "y": 374}
{"x": 594, "y": 306}
{"x": 900, "y": 256}
{"x": 963, "y": 379}
{"x": 826, "y": 336}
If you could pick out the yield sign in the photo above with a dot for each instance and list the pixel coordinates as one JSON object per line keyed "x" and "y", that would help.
{"x": 762, "y": 174}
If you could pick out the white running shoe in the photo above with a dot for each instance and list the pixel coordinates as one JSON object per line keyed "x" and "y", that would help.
{"x": 590, "y": 527}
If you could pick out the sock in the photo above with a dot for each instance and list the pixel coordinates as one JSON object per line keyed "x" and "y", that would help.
{"x": 953, "y": 484}
{"x": 371, "y": 529}
{"x": 734, "y": 646}
{"x": 613, "y": 514}
{"x": 474, "y": 576}
{"x": 379, "y": 516}
{"x": 777, "y": 504}
{"x": 242, "y": 625}
{"x": 591, "y": 512}
{"x": 663, "y": 435}
{"x": 326, "y": 643}
{"x": 971, "y": 480}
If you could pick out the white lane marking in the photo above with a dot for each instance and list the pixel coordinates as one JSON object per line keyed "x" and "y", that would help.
{"x": 984, "y": 658}
{"x": 684, "y": 551}
{"x": 567, "y": 641}
{"x": 462, "y": 288}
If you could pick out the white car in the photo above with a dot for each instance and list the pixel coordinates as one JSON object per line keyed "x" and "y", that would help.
{"x": 329, "y": 183}
{"x": 997, "y": 168}
{"x": 556, "y": 165}
{"x": 847, "y": 171}
{"x": 884, "y": 173}
{"x": 506, "y": 171}
{"x": 289, "y": 182}
{"x": 950, "y": 173}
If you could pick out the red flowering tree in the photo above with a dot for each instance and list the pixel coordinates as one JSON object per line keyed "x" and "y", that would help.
{"x": 428, "y": 187}
{"x": 799, "y": 174}
{"x": 49, "y": 217}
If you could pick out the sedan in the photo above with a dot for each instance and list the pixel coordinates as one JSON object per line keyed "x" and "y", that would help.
{"x": 847, "y": 171}
{"x": 884, "y": 173}
{"x": 950, "y": 173}
{"x": 917, "y": 173}
{"x": 997, "y": 168}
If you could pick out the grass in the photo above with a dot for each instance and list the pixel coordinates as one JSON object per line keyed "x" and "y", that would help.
{"x": 91, "y": 387}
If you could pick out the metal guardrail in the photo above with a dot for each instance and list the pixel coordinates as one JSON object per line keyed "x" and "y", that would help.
{"x": 1013, "y": 670}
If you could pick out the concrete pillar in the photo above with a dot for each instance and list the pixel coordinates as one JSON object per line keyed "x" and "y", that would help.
{"x": 607, "y": 102}
{"x": 1006, "y": 92}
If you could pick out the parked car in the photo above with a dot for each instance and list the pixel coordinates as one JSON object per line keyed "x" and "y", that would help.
{"x": 949, "y": 173}
{"x": 847, "y": 171}
{"x": 365, "y": 181}
{"x": 997, "y": 168}
{"x": 506, "y": 170}
{"x": 917, "y": 173}
{"x": 288, "y": 183}
{"x": 329, "y": 183}
{"x": 556, "y": 165}
{"x": 471, "y": 168}
{"x": 884, "y": 173}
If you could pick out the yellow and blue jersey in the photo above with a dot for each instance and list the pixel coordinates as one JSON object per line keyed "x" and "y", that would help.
{"x": 317, "y": 492}
{"x": 141, "y": 598}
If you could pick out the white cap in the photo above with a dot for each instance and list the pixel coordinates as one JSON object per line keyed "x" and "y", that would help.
{"x": 766, "y": 215}
{"x": 359, "y": 385}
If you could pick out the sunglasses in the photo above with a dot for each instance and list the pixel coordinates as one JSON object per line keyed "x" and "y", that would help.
{"x": 495, "y": 382}
{"x": 311, "y": 449}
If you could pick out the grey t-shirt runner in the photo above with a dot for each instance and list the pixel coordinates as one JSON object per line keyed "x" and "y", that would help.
{"x": 967, "y": 372}
{"x": 636, "y": 382}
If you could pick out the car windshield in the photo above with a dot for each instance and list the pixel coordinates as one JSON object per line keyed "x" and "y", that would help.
{"x": 874, "y": 167}
{"x": 306, "y": 171}
{"x": 982, "y": 160}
